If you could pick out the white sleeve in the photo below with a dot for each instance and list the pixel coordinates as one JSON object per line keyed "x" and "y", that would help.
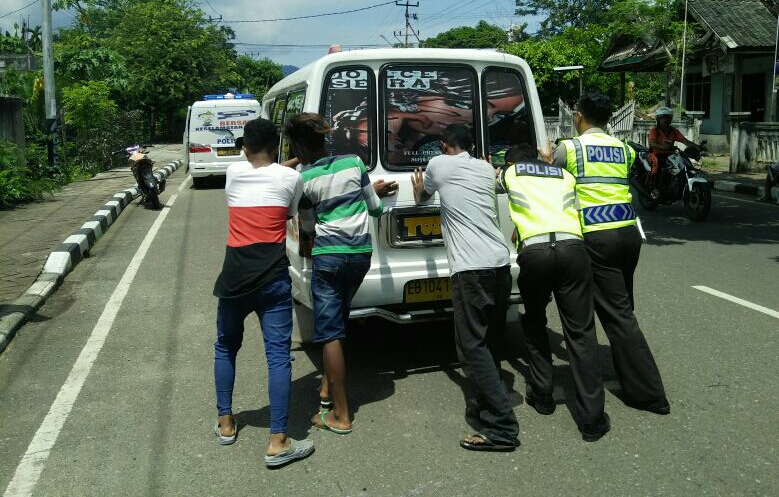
{"x": 297, "y": 193}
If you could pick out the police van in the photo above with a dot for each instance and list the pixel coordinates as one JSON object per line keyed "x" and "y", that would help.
{"x": 213, "y": 124}
{"x": 389, "y": 107}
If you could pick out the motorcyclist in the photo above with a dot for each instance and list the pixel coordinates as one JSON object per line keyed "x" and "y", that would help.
{"x": 661, "y": 142}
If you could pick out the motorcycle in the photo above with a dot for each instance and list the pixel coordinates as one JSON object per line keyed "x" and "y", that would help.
{"x": 141, "y": 165}
{"x": 680, "y": 179}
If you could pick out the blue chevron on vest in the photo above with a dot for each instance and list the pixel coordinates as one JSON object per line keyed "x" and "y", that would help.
{"x": 608, "y": 213}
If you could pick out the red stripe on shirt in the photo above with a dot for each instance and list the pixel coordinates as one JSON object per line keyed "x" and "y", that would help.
{"x": 262, "y": 224}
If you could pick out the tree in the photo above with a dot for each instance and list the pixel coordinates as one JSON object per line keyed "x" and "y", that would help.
{"x": 573, "y": 46}
{"x": 256, "y": 76}
{"x": 484, "y": 35}
{"x": 561, "y": 14}
{"x": 156, "y": 55}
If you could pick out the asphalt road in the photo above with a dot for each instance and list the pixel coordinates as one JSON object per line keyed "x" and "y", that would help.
{"x": 138, "y": 419}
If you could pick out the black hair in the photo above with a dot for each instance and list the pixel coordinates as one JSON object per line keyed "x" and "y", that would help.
{"x": 520, "y": 153}
{"x": 458, "y": 135}
{"x": 596, "y": 108}
{"x": 307, "y": 130}
{"x": 259, "y": 135}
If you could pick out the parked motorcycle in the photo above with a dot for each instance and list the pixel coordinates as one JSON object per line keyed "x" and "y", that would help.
{"x": 680, "y": 179}
{"x": 141, "y": 165}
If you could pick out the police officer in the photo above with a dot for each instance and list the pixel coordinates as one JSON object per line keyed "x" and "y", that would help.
{"x": 601, "y": 164}
{"x": 553, "y": 259}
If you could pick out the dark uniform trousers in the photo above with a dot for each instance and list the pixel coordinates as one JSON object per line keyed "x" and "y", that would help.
{"x": 562, "y": 268}
{"x": 614, "y": 255}
{"x": 480, "y": 301}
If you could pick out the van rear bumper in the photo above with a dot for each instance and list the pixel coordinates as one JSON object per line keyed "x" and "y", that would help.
{"x": 417, "y": 316}
{"x": 204, "y": 169}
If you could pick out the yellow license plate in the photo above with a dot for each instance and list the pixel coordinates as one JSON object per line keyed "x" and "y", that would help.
{"x": 421, "y": 227}
{"x": 221, "y": 152}
{"x": 429, "y": 290}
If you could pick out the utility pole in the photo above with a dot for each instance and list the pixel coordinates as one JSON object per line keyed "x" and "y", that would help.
{"x": 408, "y": 24}
{"x": 49, "y": 89}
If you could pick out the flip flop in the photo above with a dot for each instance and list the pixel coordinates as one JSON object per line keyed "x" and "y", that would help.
{"x": 488, "y": 445}
{"x": 298, "y": 449}
{"x": 325, "y": 405}
{"x": 223, "y": 440}
{"x": 326, "y": 427}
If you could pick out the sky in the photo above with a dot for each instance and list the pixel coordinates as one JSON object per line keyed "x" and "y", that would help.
{"x": 311, "y": 37}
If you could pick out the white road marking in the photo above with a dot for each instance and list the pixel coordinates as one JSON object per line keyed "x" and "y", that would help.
{"x": 34, "y": 459}
{"x": 185, "y": 183}
{"x": 744, "y": 200}
{"x": 759, "y": 308}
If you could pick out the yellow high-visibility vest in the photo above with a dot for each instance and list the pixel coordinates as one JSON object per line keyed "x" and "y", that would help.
{"x": 601, "y": 164}
{"x": 542, "y": 199}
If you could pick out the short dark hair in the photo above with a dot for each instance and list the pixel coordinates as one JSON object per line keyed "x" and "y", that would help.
{"x": 259, "y": 135}
{"x": 596, "y": 108}
{"x": 458, "y": 135}
{"x": 307, "y": 130}
{"x": 519, "y": 153}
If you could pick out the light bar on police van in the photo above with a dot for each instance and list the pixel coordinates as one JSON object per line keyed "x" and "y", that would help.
{"x": 230, "y": 96}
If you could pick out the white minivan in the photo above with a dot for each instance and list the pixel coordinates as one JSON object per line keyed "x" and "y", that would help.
{"x": 213, "y": 124}
{"x": 389, "y": 106}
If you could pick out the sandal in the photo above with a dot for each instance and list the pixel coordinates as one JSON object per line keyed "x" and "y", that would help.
{"x": 326, "y": 427}
{"x": 223, "y": 440}
{"x": 487, "y": 445}
{"x": 298, "y": 449}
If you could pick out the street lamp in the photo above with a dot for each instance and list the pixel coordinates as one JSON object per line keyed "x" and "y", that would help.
{"x": 573, "y": 68}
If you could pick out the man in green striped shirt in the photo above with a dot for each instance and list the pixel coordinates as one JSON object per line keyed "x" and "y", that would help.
{"x": 338, "y": 201}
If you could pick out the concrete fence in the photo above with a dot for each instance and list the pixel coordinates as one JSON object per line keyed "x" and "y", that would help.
{"x": 752, "y": 145}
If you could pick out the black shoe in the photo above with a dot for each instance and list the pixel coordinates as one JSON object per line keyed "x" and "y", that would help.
{"x": 660, "y": 406}
{"x": 595, "y": 431}
{"x": 543, "y": 404}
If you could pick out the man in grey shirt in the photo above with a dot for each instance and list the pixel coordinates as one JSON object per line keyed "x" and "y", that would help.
{"x": 481, "y": 280}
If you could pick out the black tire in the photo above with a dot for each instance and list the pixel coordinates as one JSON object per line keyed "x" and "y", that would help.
{"x": 698, "y": 203}
{"x": 199, "y": 182}
{"x": 647, "y": 203}
{"x": 154, "y": 198}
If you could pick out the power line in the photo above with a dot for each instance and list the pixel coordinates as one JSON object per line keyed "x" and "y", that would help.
{"x": 18, "y": 10}
{"x": 316, "y": 15}
{"x": 212, "y": 8}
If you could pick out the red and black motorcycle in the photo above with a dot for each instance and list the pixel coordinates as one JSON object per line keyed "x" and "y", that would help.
{"x": 149, "y": 186}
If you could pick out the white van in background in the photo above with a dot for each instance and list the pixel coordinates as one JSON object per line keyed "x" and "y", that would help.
{"x": 213, "y": 124}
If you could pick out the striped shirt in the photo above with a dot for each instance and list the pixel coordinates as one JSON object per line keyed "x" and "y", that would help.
{"x": 338, "y": 199}
{"x": 259, "y": 201}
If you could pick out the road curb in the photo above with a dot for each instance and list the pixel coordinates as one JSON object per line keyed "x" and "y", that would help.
{"x": 735, "y": 187}
{"x": 67, "y": 255}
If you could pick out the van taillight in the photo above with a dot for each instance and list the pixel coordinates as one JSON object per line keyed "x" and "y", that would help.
{"x": 196, "y": 148}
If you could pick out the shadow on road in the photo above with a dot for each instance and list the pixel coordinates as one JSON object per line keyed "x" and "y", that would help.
{"x": 731, "y": 222}
{"x": 379, "y": 353}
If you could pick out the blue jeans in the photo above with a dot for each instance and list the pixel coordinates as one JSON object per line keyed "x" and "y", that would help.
{"x": 335, "y": 280}
{"x": 273, "y": 305}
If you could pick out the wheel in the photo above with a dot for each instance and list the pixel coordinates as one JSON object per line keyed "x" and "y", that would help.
{"x": 302, "y": 323}
{"x": 647, "y": 203}
{"x": 154, "y": 198}
{"x": 199, "y": 182}
{"x": 698, "y": 203}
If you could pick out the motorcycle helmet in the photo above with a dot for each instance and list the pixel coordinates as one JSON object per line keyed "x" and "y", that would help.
{"x": 664, "y": 111}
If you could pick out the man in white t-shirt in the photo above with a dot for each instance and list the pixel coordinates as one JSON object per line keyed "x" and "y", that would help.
{"x": 481, "y": 279}
{"x": 261, "y": 196}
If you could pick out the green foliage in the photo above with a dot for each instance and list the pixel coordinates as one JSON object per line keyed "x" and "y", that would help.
{"x": 573, "y": 46}
{"x": 88, "y": 106}
{"x": 256, "y": 76}
{"x": 561, "y": 14}
{"x": 484, "y": 35}
{"x": 17, "y": 182}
